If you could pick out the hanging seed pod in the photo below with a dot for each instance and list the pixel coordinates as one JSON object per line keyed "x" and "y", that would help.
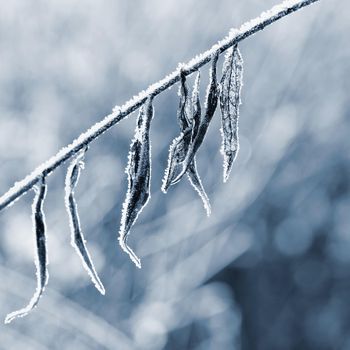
{"x": 39, "y": 228}
{"x": 77, "y": 238}
{"x": 139, "y": 177}
{"x": 230, "y": 99}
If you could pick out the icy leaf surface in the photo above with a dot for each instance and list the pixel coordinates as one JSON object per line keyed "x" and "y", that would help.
{"x": 77, "y": 237}
{"x": 230, "y": 99}
{"x": 139, "y": 177}
{"x": 39, "y": 228}
{"x": 189, "y": 118}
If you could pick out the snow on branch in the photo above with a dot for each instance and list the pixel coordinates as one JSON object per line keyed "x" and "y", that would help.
{"x": 247, "y": 29}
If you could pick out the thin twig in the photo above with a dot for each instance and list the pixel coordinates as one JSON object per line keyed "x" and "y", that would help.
{"x": 247, "y": 29}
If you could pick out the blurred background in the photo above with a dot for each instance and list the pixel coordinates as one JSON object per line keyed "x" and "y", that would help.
{"x": 270, "y": 269}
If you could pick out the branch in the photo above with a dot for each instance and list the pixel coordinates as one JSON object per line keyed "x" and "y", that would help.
{"x": 247, "y": 29}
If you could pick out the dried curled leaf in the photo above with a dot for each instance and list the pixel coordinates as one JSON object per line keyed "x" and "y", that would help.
{"x": 189, "y": 116}
{"x": 183, "y": 115}
{"x": 177, "y": 154}
{"x": 210, "y": 107}
{"x": 77, "y": 238}
{"x": 39, "y": 227}
{"x": 139, "y": 177}
{"x": 196, "y": 182}
{"x": 192, "y": 172}
{"x": 230, "y": 99}
{"x": 179, "y": 147}
{"x": 196, "y": 107}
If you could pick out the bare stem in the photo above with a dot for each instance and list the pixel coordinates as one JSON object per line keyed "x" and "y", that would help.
{"x": 247, "y": 29}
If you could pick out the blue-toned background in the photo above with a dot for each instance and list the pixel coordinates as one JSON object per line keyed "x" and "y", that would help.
{"x": 270, "y": 269}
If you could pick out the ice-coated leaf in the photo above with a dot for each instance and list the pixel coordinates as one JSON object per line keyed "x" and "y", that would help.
{"x": 189, "y": 121}
{"x": 179, "y": 146}
{"x": 230, "y": 99}
{"x": 77, "y": 237}
{"x": 192, "y": 172}
{"x": 177, "y": 154}
{"x": 39, "y": 228}
{"x": 183, "y": 115}
{"x": 196, "y": 182}
{"x": 210, "y": 107}
{"x": 196, "y": 107}
{"x": 139, "y": 177}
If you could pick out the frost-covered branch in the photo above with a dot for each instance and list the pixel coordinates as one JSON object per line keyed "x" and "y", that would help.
{"x": 119, "y": 113}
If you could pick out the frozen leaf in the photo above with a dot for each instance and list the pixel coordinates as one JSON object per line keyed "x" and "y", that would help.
{"x": 39, "y": 228}
{"x": 196, "y": 107}
{"x": 139, "y": 177}
{"x": 183, "y": 116}
{"x": 179, "y": 147}
{"x": 197, "y": 184}
{"x": 230, "y": 99}
{"x": 210, "y": 107}
{"x": 177, "y": 154}
{"x": 77, "y": 237}
{"x": 190, "y": 121}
